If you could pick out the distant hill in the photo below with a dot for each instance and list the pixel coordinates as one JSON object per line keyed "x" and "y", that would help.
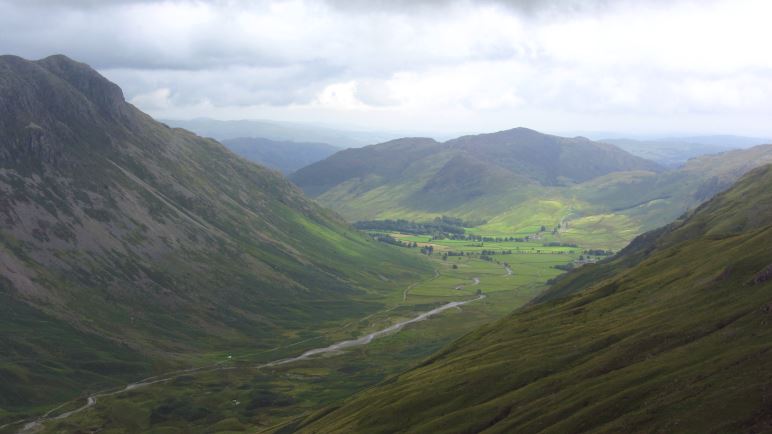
{"x": 427, "y": 175}
{"x": 530, "y": 155}
{"x": 520, "y": 180}
{"x": 672, "y": 335}
{"x": 673, "y": 152}
{"x": 278, "y": 131}
{"x": 284, "y": 156}
{"x": 128, "y": 248}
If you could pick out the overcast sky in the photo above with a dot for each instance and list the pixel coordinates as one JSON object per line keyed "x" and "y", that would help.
{"x": 645, "y": 66}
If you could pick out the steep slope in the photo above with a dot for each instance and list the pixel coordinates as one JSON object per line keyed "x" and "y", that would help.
{"x": 127, "y": 247}
{"x": 672, "y": 335}
{"x": 656, "y": 199}
{"x": 284, "y": 156}
{"x": 369, "y": 166}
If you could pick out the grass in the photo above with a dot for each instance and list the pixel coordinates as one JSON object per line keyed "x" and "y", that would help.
{"x": 134, "y": 249}
{"x": 205, "y": 402}
{"x": 671, "y": 336}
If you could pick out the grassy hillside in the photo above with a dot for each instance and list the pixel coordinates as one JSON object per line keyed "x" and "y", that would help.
{"x": 129, "y": 248}
{"x": 673, "y": 335}
{"x": 520, "y": 179}
{"x": 445, "y": 172}
{"x": 248, "y": 398}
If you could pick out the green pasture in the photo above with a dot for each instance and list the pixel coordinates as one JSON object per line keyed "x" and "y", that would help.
{"x": 247, "y": 398}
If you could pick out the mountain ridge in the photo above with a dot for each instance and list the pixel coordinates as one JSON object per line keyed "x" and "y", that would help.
{"x": 112, "y": 222}
{"x": 539, "y": 155}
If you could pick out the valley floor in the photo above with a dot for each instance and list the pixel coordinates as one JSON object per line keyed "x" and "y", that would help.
{"x": 244, "y": 392}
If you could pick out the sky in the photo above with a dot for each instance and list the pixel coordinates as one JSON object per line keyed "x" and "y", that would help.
{"x": 634, "y": 67}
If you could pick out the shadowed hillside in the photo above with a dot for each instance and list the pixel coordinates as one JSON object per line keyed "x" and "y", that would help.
{"x": 128, "y": 248}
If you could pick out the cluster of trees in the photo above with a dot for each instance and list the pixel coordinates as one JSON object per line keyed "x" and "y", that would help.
{"x": 481, "y": 239}
{"x": 459, "y": 222}
{"x": 556, "y": 229}
{"x": 427, "y": 250}
{"x": 559, "y": 244}
{"x": 388, "y": 239}
{"x": 494, "y": 252}
{"x": 437, "y": 228}
{"x": 565, "y": 267}
{"x": 599, "y": 252}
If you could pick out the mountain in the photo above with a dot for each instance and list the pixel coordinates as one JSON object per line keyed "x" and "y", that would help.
{"x": 519, "y": 180}
{"x": 420, "y": 175}
{"x": 284, "y": 156}
{"x": 542, "y": 158}
{"x": 671, "y": 335}
{"x": 278, "y": 131}
{"x": 129, "y": 248}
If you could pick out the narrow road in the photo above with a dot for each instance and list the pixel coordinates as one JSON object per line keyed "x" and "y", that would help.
{"x": 37, "y": 424}
{"x": 404, "y": 293}
{"x": 364, "y": 340}
{"x": 475, "y": 281}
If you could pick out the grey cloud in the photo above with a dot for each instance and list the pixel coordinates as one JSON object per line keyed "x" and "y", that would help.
{"x": 419, "y": 60}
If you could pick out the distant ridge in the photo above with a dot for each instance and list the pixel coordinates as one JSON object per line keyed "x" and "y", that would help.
{"x": 520, "y": 153}
{"x": 284, "y": 156}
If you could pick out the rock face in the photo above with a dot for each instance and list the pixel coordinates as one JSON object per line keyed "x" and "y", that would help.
{"x": 763, "y": 275}
{"x": 131, "y": 238}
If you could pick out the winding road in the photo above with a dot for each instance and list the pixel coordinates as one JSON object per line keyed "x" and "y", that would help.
{"x": 37, "y": 424}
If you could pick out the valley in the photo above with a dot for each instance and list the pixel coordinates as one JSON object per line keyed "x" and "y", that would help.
{"x": 516, "y": 180}
{"x": 151, "y": 280}
{"x": 248, "y": 390}
{"x": 670, "y": 335}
